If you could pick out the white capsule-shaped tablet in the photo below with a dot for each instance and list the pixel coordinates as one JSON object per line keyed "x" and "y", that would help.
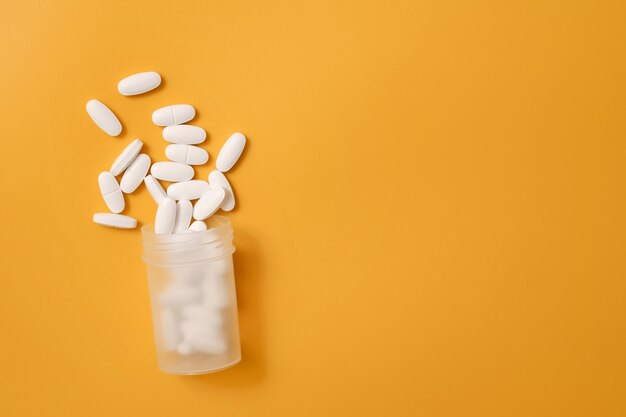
{"x": 155, "y": 189}
{"x": 184, "y": 349}
{"x": 171, "y": 171}
{"x": 230, "y": 152}
{"x": 126, "y": 157}
{"x": 104, "y": 117}
{"x": 169, "y": 330}
{"x": 179, "y": 295}
{"x": 185, "y": 134}
{"x": 165, "y": 217}
{"x": 203, "y": 338}
{"x": 186, "y": 154}
{"x": 201, "y": 313}
{"x": 197, "y": 226}
{"x": 135, "y": 173}
{"x": 188, "y": 190}
{"x": 215, "y": 290}
{"x": 184, "y": 209}
{"x": 118, "y": 221}
{"x": 173, "y": 115}
{"x": 209, "y": 203}
{"x": 111, "y": 193}
{"x": 217, "y": 179}
{"x": 139, "y": 83}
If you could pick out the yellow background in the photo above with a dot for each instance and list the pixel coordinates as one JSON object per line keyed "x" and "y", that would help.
{"x": 431, "y": 216}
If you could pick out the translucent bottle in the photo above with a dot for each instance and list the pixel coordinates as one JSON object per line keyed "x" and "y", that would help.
{"x": 194, "y": 303}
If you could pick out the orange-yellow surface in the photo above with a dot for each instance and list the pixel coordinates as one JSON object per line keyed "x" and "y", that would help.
{"x": 431, "y": 210}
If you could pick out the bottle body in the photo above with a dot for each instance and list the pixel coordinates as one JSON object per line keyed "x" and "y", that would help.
{"x": 193, "y": 297}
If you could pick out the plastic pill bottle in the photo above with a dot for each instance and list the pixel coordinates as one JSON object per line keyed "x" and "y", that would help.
{"x": 193, "y": 298}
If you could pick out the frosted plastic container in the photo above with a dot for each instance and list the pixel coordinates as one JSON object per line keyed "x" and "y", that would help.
{"x": 194, "y": 302}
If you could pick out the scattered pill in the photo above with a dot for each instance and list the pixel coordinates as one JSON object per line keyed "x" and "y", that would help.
{"x": 173, "y": 115}
{"x": 184, "y": 134}
{"x": 111, "y": 193}
{"x": 126, "y": 157}
{"x": 184, "y": 209}
{"x": 209, "y": 203}
{"x": 197, "y": 226}
{"x": 104, "y": 117}
{"x": 139, "y": 83}
{"x": 186, "y": 154}
{"x": 165, "y": 217}
{"x": 135, "y": 173}
{"x": 155, "y": 189}
{"x": 119, "y": 221}
{"x": 171, "y": 171}
{"x": 188, "y": 190}
{"x": 230, "y": 152}
{"x": 217, "y": 179}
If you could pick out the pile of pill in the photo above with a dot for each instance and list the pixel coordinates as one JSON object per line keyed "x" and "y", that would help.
{"x": 175, "y": 209}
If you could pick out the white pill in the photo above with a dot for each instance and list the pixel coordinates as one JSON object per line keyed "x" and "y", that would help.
{"x": 139, "y": 83}
{"x": 111, "y": 193}
{"x": 179, "y": 295}
{"x": 184, "y": 349}
{"x": 216, "y": 291}
{"x": 172, "y": 171}
{"x": 197, "y": 226}
{"x": 186, "y": 154}
{"x": 169, "y": 330}
{"x": 126, "y": 157}
{"x": 104, "y": 117}
{"x": 173, "y": 115}
{"x": 165, "y": 217}
{"x": 230, "y": 152}
{"x": 209, "y": 203}
{"x": 188, "y": 190}
{"x": 202, "y": 338}
{"x": 204, "y": 341}
{"x": 185, "y": 134}
{"x": 201, "y": 313}
{"x": 184, "y": 209}
{"x": 115, "y": 220}
{"x": 155, "y": 189}
{"x": 135, "y": 173}
{"x": 217, "y": 179}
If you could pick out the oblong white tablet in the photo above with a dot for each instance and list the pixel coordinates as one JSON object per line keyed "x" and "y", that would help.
{"x": 230, "y": 152}
{"x": 111, "y": 193}
{"x": 135, "y": 173}
{"x": 173, "y": 115}
{"x": 165, "y": 217}
{"x": 169, "y": 329}
{"x": 186, "y": 154}
{"x": 186, "y": 134}
{"x": 119, "y": 221}
{"x": 217, "y": 179}
{"x": 188, "y": 190}
{"x": 126, "y": 157}
{"x": 139, "y": 83}
{"x": 155, "y": 189}
{"x": 184, "y": 209}
{"x": 209, "y": 203}
{"x": 171, "y": 171}
{"x": 104, "y": 117}
{"x": 198, "y": 226}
